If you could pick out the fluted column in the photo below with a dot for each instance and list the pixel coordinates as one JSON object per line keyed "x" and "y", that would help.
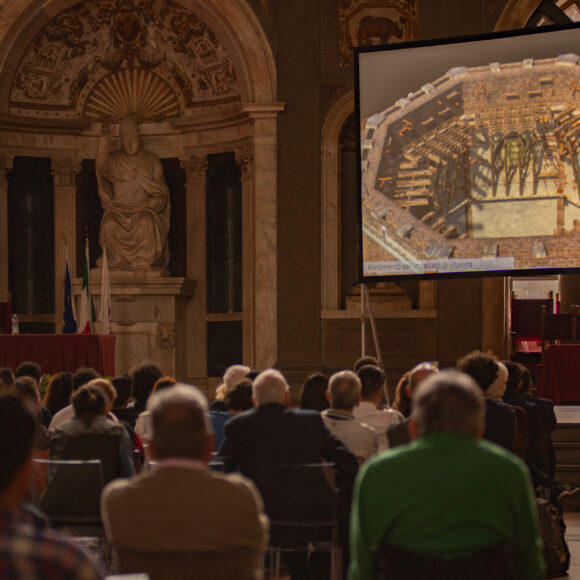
{"x": 64, "y": 171}
{"x": 5, "y": 166}
{"x": 195, "y": 168}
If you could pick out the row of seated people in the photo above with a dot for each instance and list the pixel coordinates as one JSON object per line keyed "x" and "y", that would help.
{"x": 182, "y": 508}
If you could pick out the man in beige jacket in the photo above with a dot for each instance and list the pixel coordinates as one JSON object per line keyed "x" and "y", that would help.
{"x": 181, "y": 520}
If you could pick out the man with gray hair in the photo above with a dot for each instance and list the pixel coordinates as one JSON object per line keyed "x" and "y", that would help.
{"x": 269, "y": 442}
{"x": 344, "y": 393}
{"x": 180, "y": 517}
{"x": 448, "y": 501}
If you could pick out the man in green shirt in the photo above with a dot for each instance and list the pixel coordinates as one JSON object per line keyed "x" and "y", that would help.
{"x": 447, "y": 494}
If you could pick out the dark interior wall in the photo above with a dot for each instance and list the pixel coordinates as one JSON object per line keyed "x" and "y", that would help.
{"x": 304, "y": 38}
{"x": 299, "y": 126}
{"x": 458, "y": 318}
{"x": 443, "y": 18}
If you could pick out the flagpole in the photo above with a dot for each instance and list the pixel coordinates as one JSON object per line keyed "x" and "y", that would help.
{"x": 87, "y": 258}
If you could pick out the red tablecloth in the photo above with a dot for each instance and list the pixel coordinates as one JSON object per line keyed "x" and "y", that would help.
{"x": 560, "y": 376}
{"x": 60, "y": 352}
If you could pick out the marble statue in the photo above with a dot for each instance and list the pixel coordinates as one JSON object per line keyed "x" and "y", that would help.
{"x": 135, "y": 200}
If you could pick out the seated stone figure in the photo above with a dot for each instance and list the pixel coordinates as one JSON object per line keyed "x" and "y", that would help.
{"x": 135, "y": 200}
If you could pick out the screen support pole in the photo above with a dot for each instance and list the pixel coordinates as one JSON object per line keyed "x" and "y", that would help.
{"x": 365, "y": 303}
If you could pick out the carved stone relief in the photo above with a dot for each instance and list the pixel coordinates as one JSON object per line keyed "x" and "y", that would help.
{"x": 371, "y": 22}
{"x": 104, "y": 59}
{"x": 166, "y": 335}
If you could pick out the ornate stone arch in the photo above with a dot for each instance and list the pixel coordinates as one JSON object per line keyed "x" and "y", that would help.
{"x": 248, "y": 121}
{"x": 515, "y": 14}
{"x": 330, "y": 211}
{"x": 234, "y": 24}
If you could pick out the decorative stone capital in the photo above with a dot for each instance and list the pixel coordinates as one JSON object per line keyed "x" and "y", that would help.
{"x": 195, "y": 168}
{"x": 65, "y": 172}
{"x": 244, "y": 158}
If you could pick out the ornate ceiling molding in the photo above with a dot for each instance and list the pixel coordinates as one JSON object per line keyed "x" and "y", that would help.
{"x": 103, "y": 59}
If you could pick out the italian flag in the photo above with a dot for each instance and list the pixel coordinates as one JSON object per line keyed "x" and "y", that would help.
{"x": 87, "y": 312}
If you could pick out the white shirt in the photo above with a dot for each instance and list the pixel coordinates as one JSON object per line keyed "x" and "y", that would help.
{"x": 360, "y": 438}
{"x": 378, "y": 420}
{"x": 61, "y": 416}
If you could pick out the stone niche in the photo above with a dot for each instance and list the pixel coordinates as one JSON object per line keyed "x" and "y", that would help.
{"x": 148, "y": 318}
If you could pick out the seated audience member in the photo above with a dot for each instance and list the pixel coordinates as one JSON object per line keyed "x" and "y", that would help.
{"x": 496, "y": 392}
{"x": 58, "y": 392}
{"x": 542, "y": 447}
{"x": 6, "y": 379}
{"x": 313, "y": 393}
{"x": 500, "y": 418}
{"x": 233, "y": 375}
{"x": 400, "y": 433}
{"x": 91, "y": 435}
{"x": 124, "y": 386}
{"x": 143, "y": 426}
{"x": 182, "y": 520}
{"x": 445, "y": 497}
{"x": 144, "y": 376}
{"x": 344, "y": 389}
{"x": 28, "y": 550}
{"x": 81, "y": 377}
{"x": 373, "y": 382}
{"x": 238, "y": 400}
{"x": 26, "y": 389}
{"x": 402, "y": 402}
{"x": 32, "y": 369}
{"x": 364, "y": 361}
{"x": 262, "y": 439}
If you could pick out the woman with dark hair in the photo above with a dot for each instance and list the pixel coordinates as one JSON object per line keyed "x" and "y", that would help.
{"x": 402, "y": 402}
{"x": 91, "y": 435}
{"x": 58, "y": 392}
{"x": 88, "y": 435}
{"x": 313, "y": 393}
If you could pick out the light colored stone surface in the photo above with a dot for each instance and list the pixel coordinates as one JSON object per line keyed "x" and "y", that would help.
{"x": 64, "y": 171}
{"x": 135, "y": 199}
{"x": 149, "y": 320}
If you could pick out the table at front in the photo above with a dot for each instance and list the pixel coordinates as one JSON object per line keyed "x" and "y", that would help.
{"x": 560, "y": 376}
{"x": 60, "y": 352}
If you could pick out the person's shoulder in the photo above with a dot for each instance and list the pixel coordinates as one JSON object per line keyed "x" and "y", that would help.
{"x": 51, "y": 553}
{"x": 234, "y": 485}
{"x": 497, "y": 454}
{"x": 304, "y": 414}
{"x": 121, "y": 487}
{"x": 369, "y": 430}
{"x": 500, "y": 407}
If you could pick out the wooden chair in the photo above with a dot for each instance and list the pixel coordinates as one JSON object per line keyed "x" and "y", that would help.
{"x": 316, "y": 530}
{"x": 70, "y": 495}
{"x": 500, "y": 562}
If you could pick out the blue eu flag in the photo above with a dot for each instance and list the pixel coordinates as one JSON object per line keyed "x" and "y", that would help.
{"x": 70, "y": 322}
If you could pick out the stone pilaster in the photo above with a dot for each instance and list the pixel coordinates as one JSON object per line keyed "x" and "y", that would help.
{"x": 195, "y": 168}
{"x": 260, "y": 236}
{"x": 5, "y": 166}
{"x": 64, "y": 171}
{"x": 244, "y": 159}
